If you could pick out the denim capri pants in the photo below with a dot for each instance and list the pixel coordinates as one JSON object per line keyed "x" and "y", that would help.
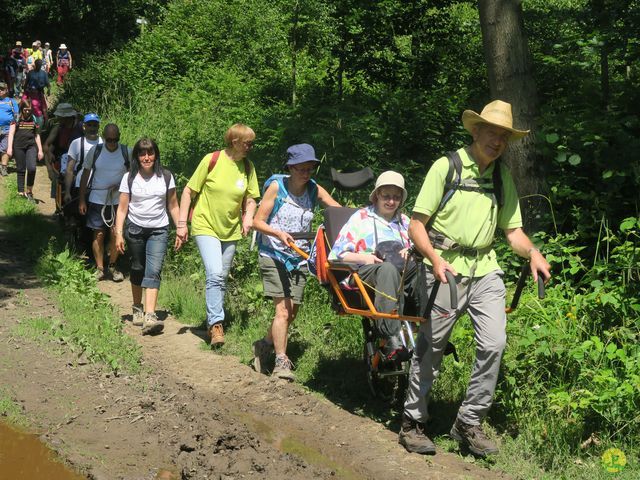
{"x": 148, "y": 247}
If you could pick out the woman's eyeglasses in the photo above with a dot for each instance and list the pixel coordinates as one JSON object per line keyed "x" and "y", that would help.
{"x": 388, "y": 198}
{"x": 304, "y": 170}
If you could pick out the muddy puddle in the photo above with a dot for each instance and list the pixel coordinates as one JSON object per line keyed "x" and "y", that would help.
{"x": 23, "y": 455}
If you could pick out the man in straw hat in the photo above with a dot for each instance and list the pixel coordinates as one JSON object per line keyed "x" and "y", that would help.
{"x": 459, "y": 239}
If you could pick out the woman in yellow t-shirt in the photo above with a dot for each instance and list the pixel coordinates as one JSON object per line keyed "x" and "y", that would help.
{"x": 222, "y": 182}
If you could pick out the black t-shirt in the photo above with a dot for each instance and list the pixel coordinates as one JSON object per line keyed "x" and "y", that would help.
{"x": 25, "y": 136}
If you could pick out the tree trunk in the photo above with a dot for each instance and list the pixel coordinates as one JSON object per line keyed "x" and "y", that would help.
{"x": 510, "y": 70}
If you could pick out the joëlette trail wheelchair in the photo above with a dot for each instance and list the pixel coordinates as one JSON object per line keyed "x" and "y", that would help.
{"x": 386, "y": 377}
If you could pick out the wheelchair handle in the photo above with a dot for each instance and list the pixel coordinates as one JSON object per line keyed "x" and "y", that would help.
{"x": 522, "y": 280}
{"x": 453, "y": 290}
{"x": 303, "y": 235}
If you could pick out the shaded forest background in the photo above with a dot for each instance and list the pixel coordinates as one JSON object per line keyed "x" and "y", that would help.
{"x": 383, "y": 84}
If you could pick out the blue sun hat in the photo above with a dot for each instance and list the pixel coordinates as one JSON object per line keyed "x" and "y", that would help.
{"x": 300, "y": 153}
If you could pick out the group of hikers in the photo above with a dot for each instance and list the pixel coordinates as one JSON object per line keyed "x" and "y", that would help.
{"x": 19, "y": 61}
{"x": 127, "y": 195}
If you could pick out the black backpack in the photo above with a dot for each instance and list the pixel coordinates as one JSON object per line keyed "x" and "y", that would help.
{"x": 453, "y": 183}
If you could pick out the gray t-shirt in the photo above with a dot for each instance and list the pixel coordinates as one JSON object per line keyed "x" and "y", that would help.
{"x": 107, "y": 172}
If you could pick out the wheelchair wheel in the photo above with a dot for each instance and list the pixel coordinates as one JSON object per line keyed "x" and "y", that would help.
{"x": 386, "y": 380}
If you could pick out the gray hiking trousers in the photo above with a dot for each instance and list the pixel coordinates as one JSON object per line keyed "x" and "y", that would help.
{"x": 484, "y": 299}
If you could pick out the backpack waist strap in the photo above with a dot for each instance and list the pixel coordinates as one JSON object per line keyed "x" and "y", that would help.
{"x": 442, "y": 242}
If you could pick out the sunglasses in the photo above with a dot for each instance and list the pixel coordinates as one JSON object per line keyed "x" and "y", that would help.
{"x": 112, "y": 140}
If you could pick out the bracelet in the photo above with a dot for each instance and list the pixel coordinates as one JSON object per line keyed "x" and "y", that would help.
{"x": 532, "y": 249}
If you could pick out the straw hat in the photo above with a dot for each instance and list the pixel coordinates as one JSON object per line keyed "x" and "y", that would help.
{"x": 497, "y": 113}
{"x": 65, "y": 110}
{"x": 63, "y": 46}
{"x": 389, "y": 178}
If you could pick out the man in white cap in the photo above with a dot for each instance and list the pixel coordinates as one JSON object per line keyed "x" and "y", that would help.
{"x": 64, "y": 62}
{"x": 458, "y": 237}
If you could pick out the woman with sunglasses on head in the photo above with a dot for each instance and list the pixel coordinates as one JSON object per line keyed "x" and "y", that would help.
{"x": 225, "y": 186}
{"x": 371, "y": 238}
{"x": 147, "y": 198}
{"x": 287, "y": 207}
{"x": 25, "y": 146}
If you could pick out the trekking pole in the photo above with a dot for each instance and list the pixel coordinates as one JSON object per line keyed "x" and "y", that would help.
{"x": 522, "y": 280}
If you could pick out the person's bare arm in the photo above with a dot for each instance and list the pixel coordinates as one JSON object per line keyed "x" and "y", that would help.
{"x": 522, "y": 245}
{"x": 325, "y": 199}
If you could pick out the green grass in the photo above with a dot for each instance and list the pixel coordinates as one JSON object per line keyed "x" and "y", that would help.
{"x": 89, "y": 322}
{"x": 11, "y": 411}
{"x": 537, "y": 443}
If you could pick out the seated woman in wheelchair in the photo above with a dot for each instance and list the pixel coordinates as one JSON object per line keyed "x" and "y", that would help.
{"x": 376, "y": 239}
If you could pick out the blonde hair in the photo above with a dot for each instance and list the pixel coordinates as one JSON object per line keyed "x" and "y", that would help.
{"x": 238, "y": 131}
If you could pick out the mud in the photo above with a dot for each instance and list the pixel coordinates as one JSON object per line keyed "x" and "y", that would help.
{"x": 192, "y": 413}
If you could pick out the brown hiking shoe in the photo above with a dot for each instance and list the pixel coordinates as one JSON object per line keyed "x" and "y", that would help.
{"x": 216, "y": 334}
{"x": 138, "y": 315}
{"x": 474, "y": 438}
{"x": 151, "y": 325}
{"x": 413, "y": 437}
{"x": 283, "y": 369}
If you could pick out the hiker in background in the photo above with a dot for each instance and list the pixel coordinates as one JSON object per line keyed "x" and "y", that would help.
{"x": 25, "y": 146}
{"x": 57, "y": 143}
{"x": 8, "y": 116}
{"x": 147, "y": 197}
{"x": 105, "y": 165}
{"x": 360, "y": 241}
{"x": 34, "y": 89}
{"x": 459, "y": 240}
{"x": 10, "y": 72}
{"x": 47, "y": 58}
{"x": 226, "y": 186}
{"x": 19, "y": 54}
{"x": 77, "y": 153}
{"x": 64, "y": 63}
{"x": 287, "y": 206}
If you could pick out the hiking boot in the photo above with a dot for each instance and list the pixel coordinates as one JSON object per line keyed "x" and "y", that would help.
{"x": 261, "y": 355}
{"x": 283, "y": 368}
{"x": 99, "y": 274}
{"x": 474, "y": 438}
{"x": 138, "y": 315}
{"x": 116, "y": 275}
{"x": 151, "y": 325}
{"x": 3, "y": 170}
{"x": 413, "y": 437}
{"x": 216, "y": 334}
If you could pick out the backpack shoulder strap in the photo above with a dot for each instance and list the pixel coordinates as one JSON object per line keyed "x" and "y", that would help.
{"x": 167, "y": 177}
{"x": 497, "y": 182}
{"x": 125, "y": 154}
{"x": 79, "y": 166}
{"x": 451, "y": 184}
{"x": 214, "y": 160}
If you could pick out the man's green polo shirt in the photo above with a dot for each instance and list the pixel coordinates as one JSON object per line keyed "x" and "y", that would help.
{"x": 469, "y": 218}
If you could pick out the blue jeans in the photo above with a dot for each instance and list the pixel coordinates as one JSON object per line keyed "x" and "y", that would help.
{"x": 217, "y": 257}
{"x": 148, "y": 247}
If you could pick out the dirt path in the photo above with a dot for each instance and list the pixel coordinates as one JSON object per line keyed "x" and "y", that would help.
{"x": 193, "y": 413}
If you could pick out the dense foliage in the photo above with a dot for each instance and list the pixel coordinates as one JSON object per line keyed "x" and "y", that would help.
{"x": 384, "y": 84}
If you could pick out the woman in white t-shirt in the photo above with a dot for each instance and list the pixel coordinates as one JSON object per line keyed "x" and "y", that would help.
{"x": 146, "y": 201}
